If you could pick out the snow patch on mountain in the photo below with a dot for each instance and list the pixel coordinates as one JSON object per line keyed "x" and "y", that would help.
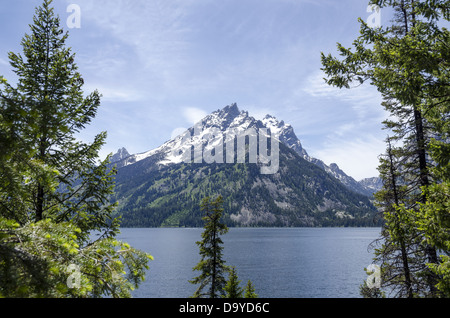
{"x": 207, "y": 134}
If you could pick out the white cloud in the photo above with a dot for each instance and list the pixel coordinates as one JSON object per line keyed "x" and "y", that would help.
{"x": 364, "y": 99}
{"x": 152, "y": 28}
{"x": 166, "y": 54}
{"x": 257, "y": 112}
{"x": 351, "y": 129}
{"x": 114, "y": 94}
{"x": 193, "y": 114}
{"x": 357, "y": 157}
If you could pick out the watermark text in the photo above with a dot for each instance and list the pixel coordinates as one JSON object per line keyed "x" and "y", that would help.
{"x": 214, "y": 146}
{"x": 74, "y": 19}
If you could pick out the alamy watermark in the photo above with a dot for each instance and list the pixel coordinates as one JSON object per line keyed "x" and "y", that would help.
{"x": 214, "y": 146}
{"x": 374, "y": 20}
{"x": 374, "y": 279}
{"x": 74, "y": 19}
{"x": 74, "y": 279}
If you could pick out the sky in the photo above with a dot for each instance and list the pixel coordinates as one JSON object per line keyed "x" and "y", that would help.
{"x": 162, "y": 65}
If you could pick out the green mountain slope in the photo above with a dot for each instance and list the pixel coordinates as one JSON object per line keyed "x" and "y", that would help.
{"x": 299, "y": 194}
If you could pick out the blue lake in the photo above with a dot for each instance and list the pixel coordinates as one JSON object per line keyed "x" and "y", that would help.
{"x": 280, "y": 262}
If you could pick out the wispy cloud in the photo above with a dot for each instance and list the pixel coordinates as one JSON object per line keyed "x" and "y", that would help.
{"x": 350, "y": 110}
{"x": 115, "y": 94}
{"x": 357, "y": 157}
{"x": 175, "y": 61}
{"x": 193, "y": 114}
{"x": 364, "y": 100}
{"x": 152, "y": 28}
{"x": 354, "y": 138}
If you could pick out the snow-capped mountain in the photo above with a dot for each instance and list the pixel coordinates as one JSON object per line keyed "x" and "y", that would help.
{"x": 285, "y": 133}
{"x": 374, "y": 183}
{"x": 165, "y": 186}
{"x": 230, "y": 121}
{"x": 121, "y": 154}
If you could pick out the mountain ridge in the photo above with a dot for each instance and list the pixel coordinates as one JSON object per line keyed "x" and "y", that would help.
{"x": 161, "y": 188}
{"x": 231, "y": 116}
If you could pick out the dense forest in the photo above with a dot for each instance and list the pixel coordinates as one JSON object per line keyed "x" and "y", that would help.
{"x": 300, "y": 194}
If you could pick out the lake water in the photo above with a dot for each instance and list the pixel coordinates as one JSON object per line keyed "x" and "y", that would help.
{"x": 280, "y": 262}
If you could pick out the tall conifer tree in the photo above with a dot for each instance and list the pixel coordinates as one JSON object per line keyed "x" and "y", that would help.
{"x": 45, "y": 112}
{"x": 54, "y": 190}
{"x": 401, "y": 254}
{"x": 408, "y": 62}
{"x": 232, "y": 288}
{"x": 212, "y": 265}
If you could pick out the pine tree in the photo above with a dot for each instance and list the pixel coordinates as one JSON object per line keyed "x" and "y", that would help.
{"x": 232, "y": 289}
{"x": 400, "y": 251}
{"x": 44, "y": 113}
{"x": 408, "y": 63}
{"x": 250, "y": 290}
{"x": 211, "y": 265}
{"x": 433, "y": 217}
{"x": 50, "y": 181}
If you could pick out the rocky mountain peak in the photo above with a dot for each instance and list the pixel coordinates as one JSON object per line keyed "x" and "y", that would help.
{"x": 161, "y": 187}
{"x": 274, "y": 122}
{"x": 230, "y": 118}
{"x": 285, "y": 133}
{"x": 230, "y": 110}
{"x": 121, "y": 154}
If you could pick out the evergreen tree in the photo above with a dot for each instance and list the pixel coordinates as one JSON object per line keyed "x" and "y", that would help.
{"x": 62, "y": 178}
{"x": 250, "y": 290}
{"x": 211, "y": 265}
{"x": 434, "y": 220}
{"x": 401, "y": 254}
{"x": 232, "y": 289}
{"x": 54, "y": 191}
{"x": 371, "y": 292}
{"x": 433, "y": 217}
{"x": 408, "y": 62}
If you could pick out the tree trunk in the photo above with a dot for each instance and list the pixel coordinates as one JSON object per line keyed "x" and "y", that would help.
{"x": 424, "y": 182}
{"x": 402, "y": 240}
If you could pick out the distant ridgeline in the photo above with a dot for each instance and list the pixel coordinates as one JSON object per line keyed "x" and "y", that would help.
{"x": 158, "y": 188}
